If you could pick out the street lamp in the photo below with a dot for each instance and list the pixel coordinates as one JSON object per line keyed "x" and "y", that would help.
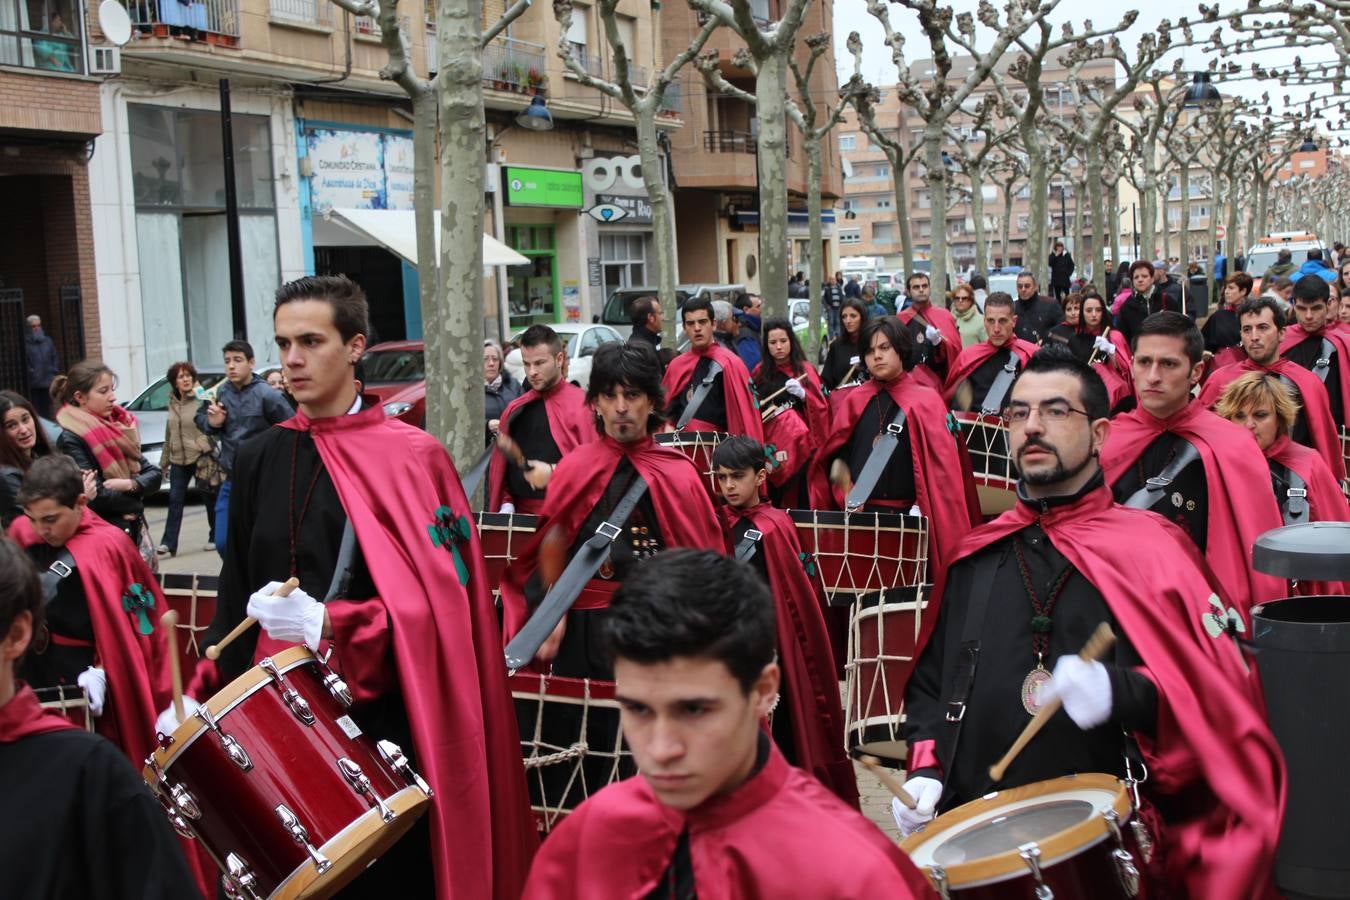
{"x": 536, "y": 116}
{"x": 1202, "y": 92}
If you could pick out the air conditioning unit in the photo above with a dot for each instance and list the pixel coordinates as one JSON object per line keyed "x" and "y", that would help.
{"x": 105, "y": 60}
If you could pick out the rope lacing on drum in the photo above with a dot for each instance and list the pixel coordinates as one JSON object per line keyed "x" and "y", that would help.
{"x": 576, "y": 751}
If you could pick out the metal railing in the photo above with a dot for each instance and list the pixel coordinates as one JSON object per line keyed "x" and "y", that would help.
{"x": 734, "y": 142}
{"x": 370, "y": 26}
{"x": 305, "y": 12}
{"x": 672, "y": 101}
{"x": 508, "y": 62}
{"x": 194, "y": 20}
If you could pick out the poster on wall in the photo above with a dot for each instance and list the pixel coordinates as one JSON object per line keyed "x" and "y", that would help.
{"x": 359, "y": 169}
{"x": 571, "y": 300}
{"x": 398, "y": 171}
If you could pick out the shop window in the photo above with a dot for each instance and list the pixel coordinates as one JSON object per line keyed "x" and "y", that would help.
{"x": 623, "y": 260}
{"x": 42, "y": 34}
{"x": 176, "y": 158}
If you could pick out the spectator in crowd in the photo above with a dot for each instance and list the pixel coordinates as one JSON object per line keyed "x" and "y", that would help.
{"x": 1197, "y": 291}
{"x": 725, "y": 327}
{"x": 647, "y": 319}
{"x": 499, "y": 387}
{"x": 42, "y": 366}
{"x": 1034, "y": 314}
{"x": 797, "y": 288}
{"x": 1284, "y": 266}
{"x": 187, "y": 454}
{"x": 1144, "y": 300}
{"x": 831, "y": 299}
{"x": 853, "y": 287}
{"x": 1162, "y": 277}
{"x": 22, "y": 440}
{"x": 747, "y": 317}
{"x": 980, "y": 285}
{"x": 968, "y": 315}
{"x": 1280, "y": 289}
{"x": 1221, "y": 331}
{"x": 1316, "y": 265}
{"x": 1061, "y": 271}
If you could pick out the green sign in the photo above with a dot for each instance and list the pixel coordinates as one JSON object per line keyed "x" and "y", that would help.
{"x": 542, "y": 187}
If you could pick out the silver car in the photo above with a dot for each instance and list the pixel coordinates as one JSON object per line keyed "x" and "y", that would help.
{"x": 151, "y": 407}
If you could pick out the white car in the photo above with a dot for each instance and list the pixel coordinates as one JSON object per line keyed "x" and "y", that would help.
{"x": 580, "y": 339}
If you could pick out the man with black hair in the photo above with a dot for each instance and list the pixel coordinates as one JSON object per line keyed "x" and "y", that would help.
{"x": 927, "y": 466}
{"x": 716, "y": 811}
{"x": 588, "y": 485}
{"x": 707, "y": 388}
{"x": 1061, "y": 266}
{"x": 244, "y": 405}
{"x": 647, "y": 320}
{"x": 936, "y": 338}
{"x": 977, "y": 368}
{"x": 538, "y": 427}
{"x": 1315, "y": 343}
{"x": 808, "y": 719}
{"x": 1174, "y": 456}
{"x": 1145, "y": 299}
{"x": 369, "y": 514}
{"x": 1028, "y": 590}
{"x": 81, "y": 823}
{"x": 1036, "y": 313}
{"x": 1262, "y": 327}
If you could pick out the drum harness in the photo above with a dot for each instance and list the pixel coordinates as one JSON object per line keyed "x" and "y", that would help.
{"x": 1322, "y": 367}
{"x": 748, "y": 544}
{"x": 877, "y": 459}
{"x": 1294, "y": 507}
{"x": 1155, "y": 487}
{"x": 564, "y": 592}
{"x": 993, "y": 398}
{"x": 61, "y": 568}
{"x": 700, "y": 394}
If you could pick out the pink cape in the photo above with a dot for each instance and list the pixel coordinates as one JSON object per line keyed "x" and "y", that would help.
{"x": 23, "y": 716}
{"x": 742, "y": 407}
{"x": 571, "y": 421}
{"x": 394, "y": 482}
{"x": 1340, "y": 339}
{"x": 1326, "y": 502}
{"x": 950, "y": 346}
{"x": 972, "y": 357}
{"x": 1233, "y": 463}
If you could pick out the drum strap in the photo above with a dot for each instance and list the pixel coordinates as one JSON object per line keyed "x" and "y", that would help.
{"x": 700, "y": 394}
{"x": 749, "y": 542}
{"x": 881, "y": 454}
{"x": 1294, "y": 508}
{"x": 1322, "y": 367}
{"x": 993, "y": 400}
{"x": 61, "y": 568}
{"x": 567, "y": 588}
{"x": 474, "y": 476}
{"x": 1155, "y": 487}
{"x": 342, "y": 573}
{"x": 982, "y": 589}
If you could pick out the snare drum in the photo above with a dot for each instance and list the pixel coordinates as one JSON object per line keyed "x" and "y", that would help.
{"x": 986, "y": 440}
{"x": 699, "y": 447}
{"x": 570, "y": 740}
{"x": 281, "y": 787}
{"x": 1067, "y": 837}
{"x": 194, "y": 597}
{"x": 68, "y": 701}
{"x": 862, "y": 552}
{"x": 502, "y": 536}
{"x": 883, "y": 636}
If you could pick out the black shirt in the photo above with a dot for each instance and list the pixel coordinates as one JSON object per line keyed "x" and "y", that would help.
{"x": 1137, "y": 308}
{"x": 713, "y": 409}
{"x": 530, "y": 430}
{"x": 838, "y": 361}
{"x": 1306, "y": 353}
{"x": 1221, "y": 330}
{"x": 1186, "y": 500}
{"x": 923, "y": 348}
{"x": 897, "y": 479}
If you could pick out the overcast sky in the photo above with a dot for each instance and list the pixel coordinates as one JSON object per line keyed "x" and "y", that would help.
{"x": 852, "y": 15}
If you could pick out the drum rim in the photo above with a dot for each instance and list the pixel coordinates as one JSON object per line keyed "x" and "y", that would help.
{"x": 513, "y": 522}
{"x": 883, "y": 521}
{"x": 234, "y": 693}
{"x": 531, "y": 686}
{"x": 675, "y": 437}
{"x": 1061, "y": 845}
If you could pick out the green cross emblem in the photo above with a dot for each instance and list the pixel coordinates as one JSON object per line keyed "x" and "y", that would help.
{"x": 450, "y": 531}
{"x": 139, "y": 601}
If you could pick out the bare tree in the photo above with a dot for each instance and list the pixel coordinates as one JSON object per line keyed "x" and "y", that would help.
{"x": 976, "y": 164}
{"x": 895, "y": 145}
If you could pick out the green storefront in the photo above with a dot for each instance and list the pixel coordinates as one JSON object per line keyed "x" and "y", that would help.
{"x": 535, "y": 291}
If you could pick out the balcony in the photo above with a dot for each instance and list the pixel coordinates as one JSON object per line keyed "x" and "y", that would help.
{"x": 734, "y": 142}
{"x": 315, "y": 13}
{"x": 369, "y": 27}
{"x": 209, "y": 21}
{"x": 42, "y": 50}
{"x": 513, "y": 65}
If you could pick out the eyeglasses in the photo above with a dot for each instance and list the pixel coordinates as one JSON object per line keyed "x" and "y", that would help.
{"x": 1051, "y": 411}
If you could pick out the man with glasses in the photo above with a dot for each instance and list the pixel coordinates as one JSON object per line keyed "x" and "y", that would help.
{"x": 1174, "y": 456}
{"x": 1026, "y": 592}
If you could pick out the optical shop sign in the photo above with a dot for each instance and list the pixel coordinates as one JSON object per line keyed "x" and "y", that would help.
{"x": 359, "y": 169}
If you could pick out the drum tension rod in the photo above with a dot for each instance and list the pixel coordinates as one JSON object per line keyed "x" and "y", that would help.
{"x": 239, "y": 881}
{"x": 233, "y": 749}
{"x": 333, "y": 681}
{"x": 939, "y": 877}
{"x": 1126, "y": 870}
{"x": 301, "y": 836}
{"x": 1031, "y": 855}
{"x": 392, "y": 754}
{"x": 361, "y": 784}
{"x": 177, "y": 800}
{"x": 298, "y": 705}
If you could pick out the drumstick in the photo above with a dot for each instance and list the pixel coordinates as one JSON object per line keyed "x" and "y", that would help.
{"x": 1096, "y": 647}
{"x": 170, "y": 621}
{"x": 763, "y": 400}
{"x": 848, "y": 376}
{"x": 1092, "y": 357}
{"x": 213, "y": 652}
{"x": 874, "y": 766}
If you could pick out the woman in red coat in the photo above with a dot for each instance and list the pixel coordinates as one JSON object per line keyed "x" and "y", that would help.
{"x": 785, "y": 380}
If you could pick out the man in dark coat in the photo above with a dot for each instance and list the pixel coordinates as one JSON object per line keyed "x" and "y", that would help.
{"x": 647, "y": 321}
{"x": 42, "y": 366}
{"x": 1061, "y": 271}
{"x": 1036, "y": 313}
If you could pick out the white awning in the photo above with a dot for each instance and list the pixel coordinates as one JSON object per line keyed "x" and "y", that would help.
{"x": 396, "y": 230}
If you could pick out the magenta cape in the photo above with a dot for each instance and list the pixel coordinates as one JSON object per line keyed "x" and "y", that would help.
{"x": 23, "y": 716}
{"x": 1237, "y": 514}
{"x": 1322, "y": 428}
{"x": 1115, "y": 371}
{"x": 817, "y": 407}
{"x": 1326, "y": 502}
{"x": 780, "y": 834}
{"x": 393, "y": 481}
{"x": 950, "y": 347}
{"x": 804, "y": 653}
{"x": 972, "y": 357}
{"x": 571, "y": 421}
{"x": 677, "y": 491}
{"x": 942, "y": 472}
{"x": 742, "y": 407}
{"x": 1211, "y": 744}
{"x": 1340, "y": 339}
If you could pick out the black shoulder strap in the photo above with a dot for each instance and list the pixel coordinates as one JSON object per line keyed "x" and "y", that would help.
{"x": 748, "y": 544}
{"x": 1155, "y": 487}
{"x": 1294, "y": 503}
{"x": 51, "y": 577}
{"x": 982, "y": 588}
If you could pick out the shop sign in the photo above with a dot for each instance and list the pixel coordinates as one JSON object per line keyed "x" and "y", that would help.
{"x": 615, "y": 207}
{"x": 543, "y": 187}
{"x": 359, "y": 169}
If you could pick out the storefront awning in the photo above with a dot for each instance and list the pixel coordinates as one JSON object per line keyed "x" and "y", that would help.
{"x": 396, "y": 230}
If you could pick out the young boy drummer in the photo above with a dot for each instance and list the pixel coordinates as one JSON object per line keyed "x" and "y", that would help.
{"x": 808, "y": 720}
{"x": 717, "y": 810}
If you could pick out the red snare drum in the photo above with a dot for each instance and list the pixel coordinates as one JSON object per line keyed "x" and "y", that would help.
{"x": 1067, "y": 837}
{"x": 194, "y": 597}
{"x": 883, "y": 636}
{"x": 995, "y": 476}
{"x": 863, "y": 552}
{"x": 699, "y": 447}
{"x": 502, "y": 536}
{"x": 788, "y": 439}
{"x": 68, "y": 701}
{"x": 570, "y": 741}
{"x": 281, "y": 787}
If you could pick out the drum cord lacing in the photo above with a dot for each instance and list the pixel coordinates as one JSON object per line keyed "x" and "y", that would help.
{"x": 576, "y": 751}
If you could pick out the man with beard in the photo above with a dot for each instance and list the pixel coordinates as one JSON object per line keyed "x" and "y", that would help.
{"x": 708, "y": 387}
{"x": 538, "y": 427}
{"x": 1174, "y": 456}
{"x": 1317, "y": 345}
{"x": 1146, "y": 299}
{"x": 1020, "y": 601}
{"x": 936, "y": 338}
{"x": 981, "y": 366}
{"x": 1262, "y": 328}
{"x": 1036, "y": 314}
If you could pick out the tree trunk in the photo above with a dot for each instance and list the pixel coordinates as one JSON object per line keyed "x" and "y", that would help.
{"x": 1079, "y": 232}
{"x": 1035, "y": 256}
{"x": 1100, "y": 232}
{"x": 1007, "y": 220}
{"x": 816, "y": 257}
{"x": 770, "y": 91}
{"x": 1213, "y": 236}
{"x": 976, "y": 173}
{"x": 1113, "y": 220}
{"x": 424, "y": 203}
{"x": 1185, "y": 215}
{"x": 1148, "y": 208}
{"x": 902, "y": 221}
{"x": 937, "y": 194}
{"x": 453, "y": 329}
{"x": 663, "y": 230}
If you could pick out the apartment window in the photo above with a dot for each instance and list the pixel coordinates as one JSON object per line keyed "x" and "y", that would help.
{"x": 1306, "y": 163}
{"x": 849, "y": 204}
{"x": 850, "y": 235}
{"x": 925, "y": 200}
{"x": 925, "y": 229}
{"x": 308, "y": 12}
{"x": 848, "y": 142}
{"x": 623, "y": 259}
{"x": 1023, "y": 221}
{"x": 1023, "y": 193}
{"x": 42, "y": 35}
{"x": 883, "y": 203}
{"x": 759, "y": 11}
{"x": 1173, "y": 216}
{"x": 882, "y": 171}
{"x": 883, "y": 232}
{"x": 989, "y": 193}
{"x": 627, "y": 26}
{"x": 1199, "y": 215}
{"x": 956, "y": 226}
{"x": 576, "y": 34}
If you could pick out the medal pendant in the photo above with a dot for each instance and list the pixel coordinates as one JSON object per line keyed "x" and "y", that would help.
{"x": 606, "y": 571}
{"x": 1032, "y": 686}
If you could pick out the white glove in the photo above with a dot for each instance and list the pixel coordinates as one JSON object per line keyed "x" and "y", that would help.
{"x": 95, "y": 683}
{"x": 508, "y": 508}
{"x": 1083, "y": 687}
{"x": 168, "y": 722}
{"x": 934, "y": 336}
{"x": 926, "y": 793}
{"x": 296, "y": 617}
{"x": 794, "y": 387}
{"x": 1104, "y": 345}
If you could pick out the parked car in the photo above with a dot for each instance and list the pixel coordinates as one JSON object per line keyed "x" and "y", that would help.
{"x": 581, "y": 340}
{"x": 617, "y": 313}
{"x": 395, "y": 372}
{"x": 1267, "y": 252}
{"x": 151, "y": 407}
